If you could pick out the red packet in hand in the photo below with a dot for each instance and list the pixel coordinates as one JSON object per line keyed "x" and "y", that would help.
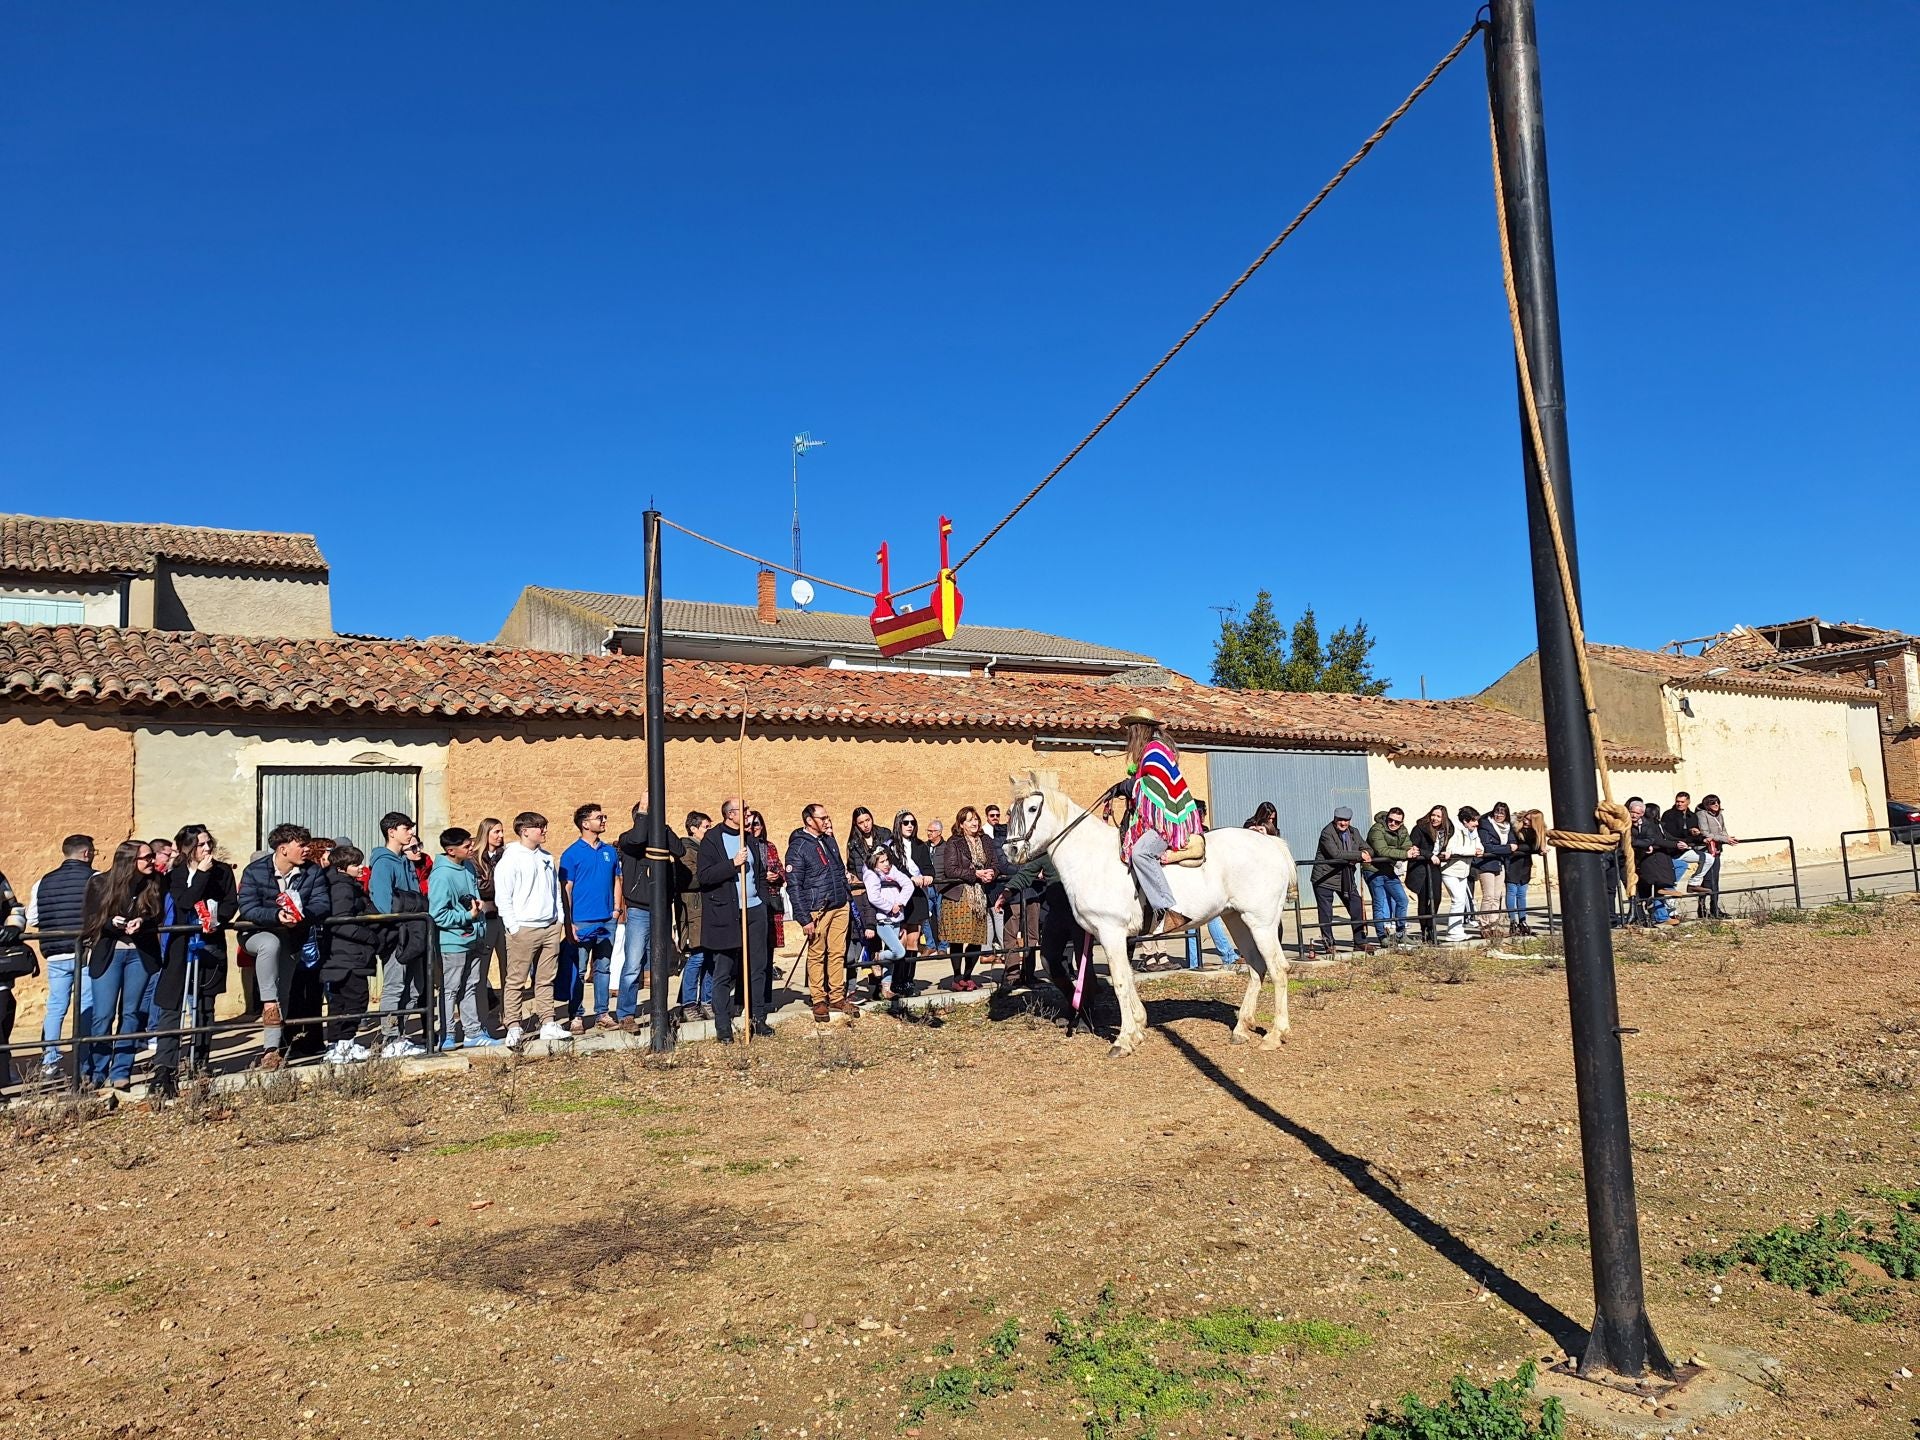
{"x": 205, "y": 912}
{"x": 289, "y": 908}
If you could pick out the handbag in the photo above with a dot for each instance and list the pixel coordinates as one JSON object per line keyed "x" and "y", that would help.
{"x": 17, "y": 961}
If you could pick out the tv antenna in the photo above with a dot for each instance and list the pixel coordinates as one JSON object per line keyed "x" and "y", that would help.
{"x": 802, "y": 443}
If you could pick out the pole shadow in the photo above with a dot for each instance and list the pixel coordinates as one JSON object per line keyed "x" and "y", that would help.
{"x": 1569, "y": 1334}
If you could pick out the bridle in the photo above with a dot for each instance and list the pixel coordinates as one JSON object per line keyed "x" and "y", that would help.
{"x": 1027, "y": 856}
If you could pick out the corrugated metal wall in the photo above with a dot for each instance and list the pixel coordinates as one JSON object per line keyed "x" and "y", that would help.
{"x": 340, "y": 802}
{"x": 1304, "y": 786}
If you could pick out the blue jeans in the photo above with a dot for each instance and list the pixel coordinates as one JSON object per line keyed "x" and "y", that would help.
{"x": 890, "y": 940}
{"x": 696, "y": 979}
{"x": 60, "y": 971}
{"x": 1223, "y": 942}
{"x": 1389, "y": 903}
{"x": 149, "y": 1011}
{"x": 1516, "y": 904}
{"x": 933, "y": 921}
{"x": 576, "y": 958}
{"x": 117, "y": 991}
{"x": 639, "y": 954}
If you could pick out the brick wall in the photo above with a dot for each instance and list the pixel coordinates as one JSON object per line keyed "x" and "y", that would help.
{"x": 63, "y": 774}
{"x": 552, "y": 771}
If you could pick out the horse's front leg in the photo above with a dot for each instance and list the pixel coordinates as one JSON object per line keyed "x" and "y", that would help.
{"x": 1133, "y": 1015}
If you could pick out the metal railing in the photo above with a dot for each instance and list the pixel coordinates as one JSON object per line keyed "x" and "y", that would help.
{"x": 1909, "y": 872}
{"x": 83, "y": 1041}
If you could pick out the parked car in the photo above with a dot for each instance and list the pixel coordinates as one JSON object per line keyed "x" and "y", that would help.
{"x": 1905, "y": 820}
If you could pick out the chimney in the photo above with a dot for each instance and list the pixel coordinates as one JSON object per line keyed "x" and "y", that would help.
{"x": 768, "y": 598}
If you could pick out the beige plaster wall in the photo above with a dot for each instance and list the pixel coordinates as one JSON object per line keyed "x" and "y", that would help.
{"x": 210, "y": 773}
{"x": 243, "y": 602}
{"x": 1781, "y": 765}
{"x": 1629, "y": 702}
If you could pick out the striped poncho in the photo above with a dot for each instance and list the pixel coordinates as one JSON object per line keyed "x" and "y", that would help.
{"x": 1161, "y": 800}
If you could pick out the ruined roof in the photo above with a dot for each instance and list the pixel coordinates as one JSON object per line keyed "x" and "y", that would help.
{"x": 1708, "y": 672}
{"x": 826, "y": 627}
{"x": 149, "y": 670}
{"x": 35, "y": 544}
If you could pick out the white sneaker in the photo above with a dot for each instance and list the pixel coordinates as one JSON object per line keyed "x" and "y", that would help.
{"x": 551, "y": 1031}
{"x": 400, "y": 1048}
{"x": 515, "y": 1035}
{"x": 356, "y": 1052}
{"x": 339, "y": 1052}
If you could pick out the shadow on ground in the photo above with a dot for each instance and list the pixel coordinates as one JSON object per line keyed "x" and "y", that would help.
{"x": 1360, "y": 1173}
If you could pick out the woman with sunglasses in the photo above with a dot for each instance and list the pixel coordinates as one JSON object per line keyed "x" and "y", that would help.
{"x": 120, "y": 933}
{"x": 916, "y": 859}
{"x": 201, "y": 891}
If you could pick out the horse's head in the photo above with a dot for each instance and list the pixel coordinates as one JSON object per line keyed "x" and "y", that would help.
{"x": 1035, "y": 814}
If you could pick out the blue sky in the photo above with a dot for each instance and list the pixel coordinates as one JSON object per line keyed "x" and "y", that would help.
{"x": 460, "y": 286}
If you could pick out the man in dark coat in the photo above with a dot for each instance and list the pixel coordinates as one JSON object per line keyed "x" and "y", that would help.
{"x": 817, "y": 886}
{"x": 726, "y": 856}
{"x": 1338, "y": 859}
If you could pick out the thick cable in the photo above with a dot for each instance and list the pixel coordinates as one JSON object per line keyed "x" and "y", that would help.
{"x": 765, "y": 563}
{"x": 1616, "y": 825}
{"x": 1215, "y": 308}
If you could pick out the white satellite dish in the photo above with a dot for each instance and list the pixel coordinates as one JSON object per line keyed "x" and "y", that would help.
{"x": 802, "y": 592}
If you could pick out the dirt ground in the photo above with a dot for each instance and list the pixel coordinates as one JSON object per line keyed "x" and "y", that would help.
{"x": 828, "y": 1234}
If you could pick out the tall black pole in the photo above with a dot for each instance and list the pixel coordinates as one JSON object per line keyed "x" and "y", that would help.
{"x": 659, "y": 867}
{"x": 1622, "y": 1338}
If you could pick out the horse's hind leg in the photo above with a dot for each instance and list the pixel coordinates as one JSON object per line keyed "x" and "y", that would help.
{"x": 1274, "y": 954}
{"x": 1256, "y": 976}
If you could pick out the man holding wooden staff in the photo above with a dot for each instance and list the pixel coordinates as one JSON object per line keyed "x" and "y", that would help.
{"x": 733, "y": 928}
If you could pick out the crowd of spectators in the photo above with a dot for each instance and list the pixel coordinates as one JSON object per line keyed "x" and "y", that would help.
{"x": 1481, "y": 865}
{"x": 530, "y": 944}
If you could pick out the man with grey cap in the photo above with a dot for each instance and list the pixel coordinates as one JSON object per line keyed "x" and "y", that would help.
{"x": 1336, "y": 866}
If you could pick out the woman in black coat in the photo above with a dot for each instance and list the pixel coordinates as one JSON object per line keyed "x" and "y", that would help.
{"x": 717, "y": 874}
{"x": 201, "y": 891}
{"x": 1653, "y": 852}
{"x": 1427, "y": 838}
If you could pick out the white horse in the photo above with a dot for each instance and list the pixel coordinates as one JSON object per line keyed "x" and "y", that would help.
{"x": 1246, "y": 876}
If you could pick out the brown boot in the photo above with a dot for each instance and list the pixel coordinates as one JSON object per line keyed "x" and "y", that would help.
{"x": 821, "y": 1014}
{"x": 1171, "y": 921}
{"x": 847, "y": 1008}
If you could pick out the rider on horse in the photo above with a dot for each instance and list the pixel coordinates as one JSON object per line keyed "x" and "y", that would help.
{"x": 1162, "y": 823}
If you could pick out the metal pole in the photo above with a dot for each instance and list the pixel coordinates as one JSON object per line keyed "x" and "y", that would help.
{"x": 1622, "y": 1338}
{"x": 659, "y": 866}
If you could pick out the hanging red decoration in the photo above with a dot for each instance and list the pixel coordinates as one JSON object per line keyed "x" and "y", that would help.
{"x": 897, "y": 633}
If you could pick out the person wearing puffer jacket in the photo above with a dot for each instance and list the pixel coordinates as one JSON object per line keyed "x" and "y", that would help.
{"x": 1456, "y": 870}
{"x": 889, "y": 892}
{"x": 1389, "y": 844}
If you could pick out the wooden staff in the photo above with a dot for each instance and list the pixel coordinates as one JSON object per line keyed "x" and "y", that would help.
{"x": 746, "y": 954}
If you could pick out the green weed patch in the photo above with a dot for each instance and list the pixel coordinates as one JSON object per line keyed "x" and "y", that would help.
{"x": 1470, "y": 1412}
{"x": 1814, "y": 1259}
{"x": 504, "y": 1140}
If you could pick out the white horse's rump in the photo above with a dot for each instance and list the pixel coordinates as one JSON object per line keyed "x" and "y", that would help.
{"x": 1246, "y": 875}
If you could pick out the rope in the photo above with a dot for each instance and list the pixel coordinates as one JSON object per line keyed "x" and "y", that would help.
{"x": 772, "y": 564}
{"x": 1616, "y": 825}
{"x": 1215, "y": 308}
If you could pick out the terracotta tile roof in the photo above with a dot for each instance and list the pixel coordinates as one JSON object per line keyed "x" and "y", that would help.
{"x": 36, "y": 544}
{"x": 155, "y": 669}
{"x": 1706, "y": 672}
{"x": 826, "y": 628}
{"x": 1741, "y": 646}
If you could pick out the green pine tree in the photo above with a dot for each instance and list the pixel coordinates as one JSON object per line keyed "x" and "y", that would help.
{"x": 1254, "y": 652}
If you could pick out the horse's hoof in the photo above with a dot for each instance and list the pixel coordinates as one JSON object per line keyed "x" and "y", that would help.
{"x": 1236, "y": 1038}
{"x": 1115, "y": 1052}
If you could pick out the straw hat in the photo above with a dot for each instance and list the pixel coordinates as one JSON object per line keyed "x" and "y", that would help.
{"x": 1142, "y": 715}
